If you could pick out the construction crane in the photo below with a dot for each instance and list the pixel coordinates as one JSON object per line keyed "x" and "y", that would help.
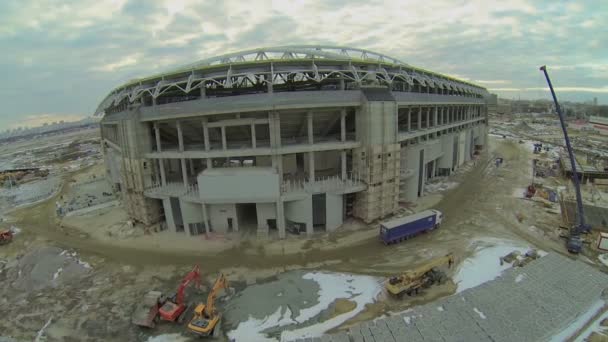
{"x": 206, "y": 318}
{"x": 423, "y": 276}
{"x": 574, "y": 242}
{"x": 156, "y": 306}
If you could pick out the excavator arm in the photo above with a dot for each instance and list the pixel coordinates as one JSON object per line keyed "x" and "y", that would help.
{"x": 220, "y": 283}
{"x": 194, "y": 275}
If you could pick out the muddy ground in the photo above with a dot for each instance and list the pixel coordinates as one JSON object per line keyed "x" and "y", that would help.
{"x": 95, "y": 303}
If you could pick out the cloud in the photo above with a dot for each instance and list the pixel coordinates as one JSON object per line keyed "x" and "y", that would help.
{"x": 601, "y": 90}
{"x": 68, "y": 56}
{"x": 492, "y": 81}
{"x": 40, "y": 119}
{"x": 121, "y": 63}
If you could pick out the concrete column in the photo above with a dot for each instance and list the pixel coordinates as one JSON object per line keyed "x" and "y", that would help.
{"x": 310, "y": 127}
{"x": 309, "y": 222}
{"x": 184, "y": 172}
{"x": 419, "y": 117}
{"x": 203, "y": 91}
{"x": 253, "y": 139}
{"x": 311, "y": 166}
{"x": 157, "y": 135}
{"x": 280, "y": 219}
{"x": 163, "y": 178}
{"x": 206, "y": 140}
{"x": 206, "y": 135}
{"x": 180, "y": 136}
{"x": 409, "y": 119}
{"x": 224, "y": 144}
{"x": 191, "y": 167}
{"x": 343, "y": 125}
{"x": 206, "y": 219}
{"x": 153, "y": 101}
{"x": 435, "y": 115}
{"x": 342, "y": 85}
{"x": 169, "y": 215}
{"x": 343, "y": 164}
{"x": 428, "y": 117}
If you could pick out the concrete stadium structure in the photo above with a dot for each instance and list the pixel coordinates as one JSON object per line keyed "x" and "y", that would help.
{"x": 286, "y": 139}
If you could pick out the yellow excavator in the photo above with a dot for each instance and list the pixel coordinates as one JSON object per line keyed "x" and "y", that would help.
{"x": 206, "y": 318}
{"x": 423, "y": 276}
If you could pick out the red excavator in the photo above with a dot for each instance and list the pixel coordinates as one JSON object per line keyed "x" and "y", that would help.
{"x": 155, "y": 306}
{"x": 6, "y": 236}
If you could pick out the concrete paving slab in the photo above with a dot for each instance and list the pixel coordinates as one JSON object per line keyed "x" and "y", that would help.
{"x": 552, "y": 292}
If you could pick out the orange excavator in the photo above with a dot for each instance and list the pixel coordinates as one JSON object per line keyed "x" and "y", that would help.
{"x": 155, "y": 306}
{"x": 206, "y": 318}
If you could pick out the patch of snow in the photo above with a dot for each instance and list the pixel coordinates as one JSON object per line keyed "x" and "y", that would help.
{"x": 603, "y": 259}
{"x": 168, "y": 338}
{"x": 84, "y": 264}
{"x": 519, "y": 278}
{"x": 479, "y": 313}
{"x": 519, "y": 192}
{"x": 360, "y": 289}
{"x": 252, "y": 329}
{"x": 57, "y": 273}
{"x": 594, "y": 327}
{"x": 280, "y": 294}
{"x": 63, "y": 252}
{"x": 579, "y": 323}
{"x": 440, "y": 308}
{"x": 41, "y": 331}
{"x": 15, "y": 230}
{"x": 407, "y": 319}
{"x": 484, "y": 265}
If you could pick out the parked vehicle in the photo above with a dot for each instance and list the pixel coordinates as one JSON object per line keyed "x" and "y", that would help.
{"x": 403, "y": 228}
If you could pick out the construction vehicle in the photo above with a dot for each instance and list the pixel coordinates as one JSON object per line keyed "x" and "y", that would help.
{"x": 574, "y": 242}
{"x": 6, "y": 236}
{"x": 206, "y": 320}
{"x": 155, "y": 306}
{"x": 423, "y": 276}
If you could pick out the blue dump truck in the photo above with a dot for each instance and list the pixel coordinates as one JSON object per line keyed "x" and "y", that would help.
{"x": 403, "y": 228}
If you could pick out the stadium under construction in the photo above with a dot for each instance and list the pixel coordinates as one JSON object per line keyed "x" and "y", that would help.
{"x": 286, "y": 139}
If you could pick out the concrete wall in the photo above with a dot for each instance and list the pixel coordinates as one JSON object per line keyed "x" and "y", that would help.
{"x": 169, "y": 214}
{"x": 432, "y": 150}
{"x": 239, "y": 185}
{"x": 333, "y": 210}
{"x": 219, "y": 215}
{"x": 265, "y": 212}
{"x": 300, "y": 211}
{"x": 462, "y": 142}
{"x": 289, "y": 164}
{"x": 113, "y": 165}
{"x": 410, "y": 159}
{"x": 447, "y": 146}
{"x": 191, "y": 213}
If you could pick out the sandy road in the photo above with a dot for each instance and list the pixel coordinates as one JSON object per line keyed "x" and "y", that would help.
{"x": 470, "y": 210}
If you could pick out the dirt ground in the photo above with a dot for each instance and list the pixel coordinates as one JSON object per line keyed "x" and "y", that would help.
{"x": 96, "y": 305}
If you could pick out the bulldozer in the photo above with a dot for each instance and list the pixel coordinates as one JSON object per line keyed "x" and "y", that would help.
{"x": 423, "y": 276}
{"x": 206, "y": 319}
{"x": 155, "y": 306}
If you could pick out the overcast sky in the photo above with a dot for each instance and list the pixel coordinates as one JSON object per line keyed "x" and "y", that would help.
{"x": 58, "y": 61}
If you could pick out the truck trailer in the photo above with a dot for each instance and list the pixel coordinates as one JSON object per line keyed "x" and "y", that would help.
{"x": 403, "y": 228}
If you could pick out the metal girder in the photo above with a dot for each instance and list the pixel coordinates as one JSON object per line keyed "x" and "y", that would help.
{"x": 278, "y": 64}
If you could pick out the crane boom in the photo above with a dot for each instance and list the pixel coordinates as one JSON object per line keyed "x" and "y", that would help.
{"x": 574, "y": 241}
